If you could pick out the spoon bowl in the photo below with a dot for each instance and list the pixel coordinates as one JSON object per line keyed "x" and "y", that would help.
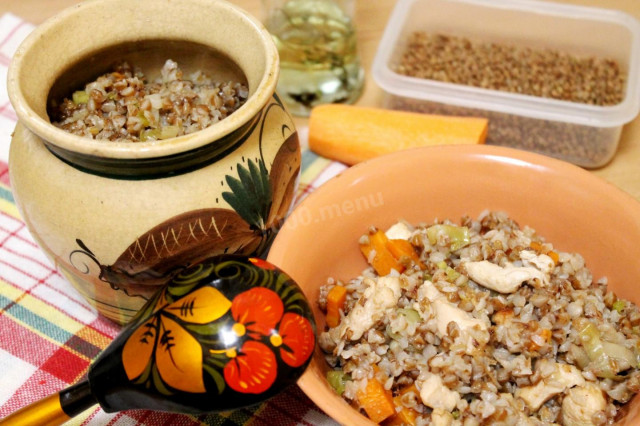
{"x": 226, "y": 333}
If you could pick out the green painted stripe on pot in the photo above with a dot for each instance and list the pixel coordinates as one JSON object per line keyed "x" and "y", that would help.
{"x": 158, "y": 167}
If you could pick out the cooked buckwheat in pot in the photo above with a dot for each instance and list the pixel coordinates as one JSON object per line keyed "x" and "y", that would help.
{"x": 123, "y": 105}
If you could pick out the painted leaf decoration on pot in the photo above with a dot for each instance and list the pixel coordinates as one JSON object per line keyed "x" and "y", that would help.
{"x": 250, "y": 194}
{"x": 183, "y": 240}
{"x": 283, "y": 177}
{"x": 298, "y": 339}
{"x": 263, "y": 199}
{"x": 253, "y": 370}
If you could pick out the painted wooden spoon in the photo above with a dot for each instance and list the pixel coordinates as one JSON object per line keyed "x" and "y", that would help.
{"x": 226, "y": 333}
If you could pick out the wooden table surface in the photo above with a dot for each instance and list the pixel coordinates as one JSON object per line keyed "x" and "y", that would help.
{"x": 371, "y": 18}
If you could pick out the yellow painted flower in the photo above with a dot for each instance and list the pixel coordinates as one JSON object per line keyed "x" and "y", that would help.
{"x": 162, "y": 340}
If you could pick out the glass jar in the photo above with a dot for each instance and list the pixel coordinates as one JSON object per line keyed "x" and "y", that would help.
{"x": 319, "y": 61}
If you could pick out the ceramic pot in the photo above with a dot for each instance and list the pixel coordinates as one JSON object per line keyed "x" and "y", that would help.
{"x": 120, "y": 219}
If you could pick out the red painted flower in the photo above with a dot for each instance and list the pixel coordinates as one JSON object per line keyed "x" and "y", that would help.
{"x": 259, "y": 313}
{"x": 297, "y": 339}
{"x": 253, "y": 370}
{"x": 258, "y": 310}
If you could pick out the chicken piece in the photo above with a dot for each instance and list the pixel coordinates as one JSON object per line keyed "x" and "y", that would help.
{"x": 440, "y": 417}
{"x": 447, "y": 312}
{"x": 541, "y": 261}
{"x": 516, "y": 417}
{"x": 581, "y": 403}
{"x": 503, "y": 280}
{"x": 536, "y": 395}
{"x": 564, "y": 376}
{"x": 399, "y": 231}
{"x": 518, "y": 365}
{"x": 381, "y": 294}
{"x": 435, "y": 394}
{"x": 429, "y": 291}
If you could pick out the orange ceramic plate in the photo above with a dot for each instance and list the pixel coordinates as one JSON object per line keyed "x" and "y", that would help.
{"x": 570, "y": 207}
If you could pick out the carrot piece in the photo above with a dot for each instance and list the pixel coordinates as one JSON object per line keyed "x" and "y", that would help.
{"x": 376, "y": 401}
{"x": 336, "y": 299}
{"x": 540, "y": 249}
{"x": 544, "y": 334}
{"x": 536, "y": 246}
{"x": 502, "y": 316}
{"x": 406, "y": 415}
{"x": 352, "y": 134}
{"x": 410, "y": 388}
{"x": 400, "y": 248}
{"x": 378, "y": 255}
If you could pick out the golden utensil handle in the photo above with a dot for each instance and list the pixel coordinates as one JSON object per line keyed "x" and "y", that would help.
{"x": 54, "y": 409}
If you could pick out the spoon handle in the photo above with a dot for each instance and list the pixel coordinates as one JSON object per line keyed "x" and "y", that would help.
{"x": 54, "y": 409}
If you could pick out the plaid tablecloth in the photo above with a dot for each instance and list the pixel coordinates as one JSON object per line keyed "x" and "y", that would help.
{"x": 49, "y": 334}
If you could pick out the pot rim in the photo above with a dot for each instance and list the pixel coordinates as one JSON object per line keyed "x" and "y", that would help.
{"x": 152, "y": 149}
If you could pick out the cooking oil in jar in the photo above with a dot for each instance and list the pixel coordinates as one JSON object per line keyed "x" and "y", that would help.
{"x": 319, "y": 60}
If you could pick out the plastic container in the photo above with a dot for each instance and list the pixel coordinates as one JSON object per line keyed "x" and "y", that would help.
{"x": 585, "y": 135}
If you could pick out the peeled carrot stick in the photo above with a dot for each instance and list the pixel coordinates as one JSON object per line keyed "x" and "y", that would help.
{"x": 352, "y": 134}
